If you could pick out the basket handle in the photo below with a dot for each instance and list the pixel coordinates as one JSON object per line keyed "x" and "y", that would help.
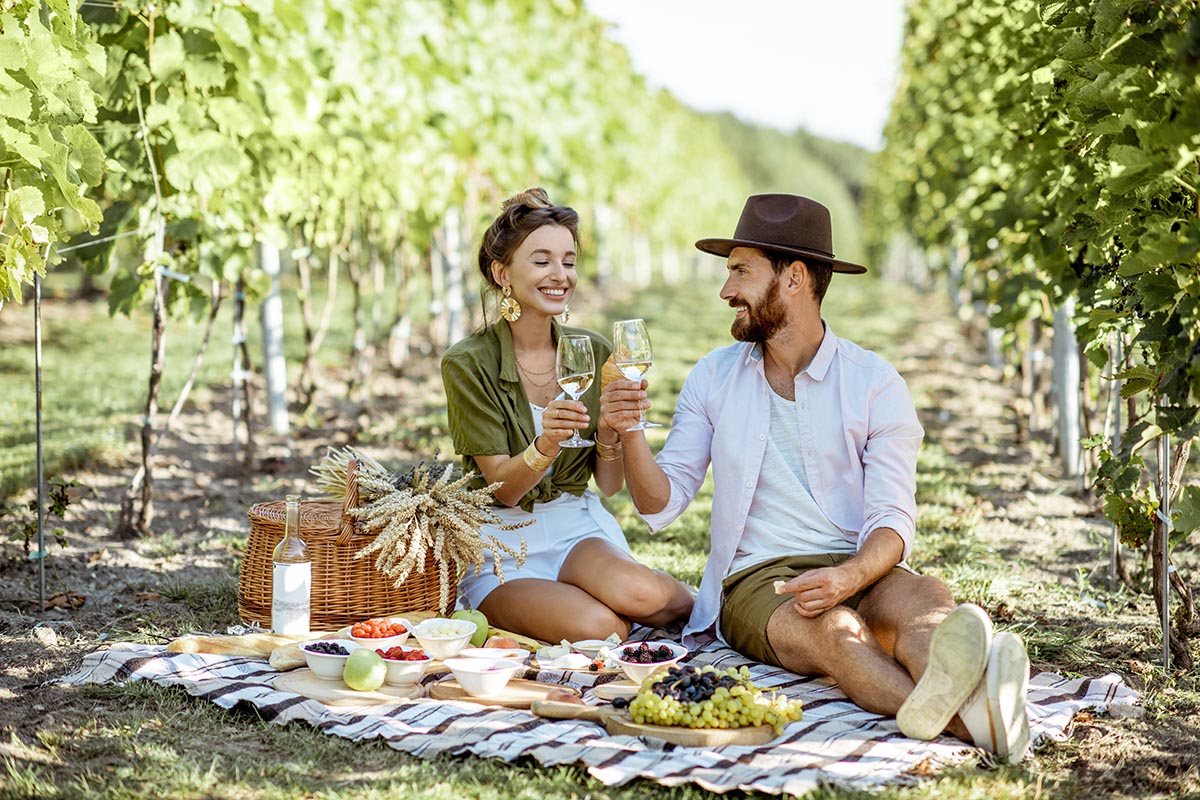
{"x": 349, "y": 503}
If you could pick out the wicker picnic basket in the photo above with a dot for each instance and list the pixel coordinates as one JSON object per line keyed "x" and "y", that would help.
{"x": 345, "y": 589}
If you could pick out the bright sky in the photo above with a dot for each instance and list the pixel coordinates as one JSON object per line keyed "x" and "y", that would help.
{"x": 828, "y": 66}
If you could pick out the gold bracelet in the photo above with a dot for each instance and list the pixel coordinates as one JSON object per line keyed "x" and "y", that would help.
{"x": 609, "y": 452}
{"x": 535, "y": 460}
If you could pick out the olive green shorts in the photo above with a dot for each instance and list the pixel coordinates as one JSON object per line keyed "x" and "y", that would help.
{"x": 749, "y": 600}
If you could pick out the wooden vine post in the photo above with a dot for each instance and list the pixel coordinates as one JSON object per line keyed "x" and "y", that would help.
{"x": 1066, "y": 388}
{"x": 274, "y": 365}
{"x": 41, "y": 475}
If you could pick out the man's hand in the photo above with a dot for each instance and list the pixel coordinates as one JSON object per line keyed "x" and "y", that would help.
{"x": 819, "y": 590}
{"x": 621, "y": 404}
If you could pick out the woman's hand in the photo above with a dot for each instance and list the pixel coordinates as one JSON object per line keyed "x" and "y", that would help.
{"x": 622, "y": 403}
{"x": 561, "y": 419}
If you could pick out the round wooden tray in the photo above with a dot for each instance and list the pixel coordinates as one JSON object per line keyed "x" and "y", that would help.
{"x": 620, "y": 723}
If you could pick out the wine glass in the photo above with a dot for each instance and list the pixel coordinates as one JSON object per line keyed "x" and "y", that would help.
{"x": 633, "y": 355}
{"x": 575, "y": 367}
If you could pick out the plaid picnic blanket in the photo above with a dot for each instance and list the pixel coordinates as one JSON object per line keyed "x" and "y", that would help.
{"x": 835, "y": 743}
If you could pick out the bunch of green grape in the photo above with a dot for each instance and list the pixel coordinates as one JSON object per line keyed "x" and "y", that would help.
{"x": 706, "y": 697}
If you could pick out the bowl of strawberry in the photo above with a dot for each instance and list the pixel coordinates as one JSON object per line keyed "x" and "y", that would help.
{"x": 380, "y": 632}
{"x": 405, "y": 665}
{"x": 640, "y": 660}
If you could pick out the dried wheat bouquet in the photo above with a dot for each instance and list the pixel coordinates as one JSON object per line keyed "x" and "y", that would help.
{"x": 410, "y": 514}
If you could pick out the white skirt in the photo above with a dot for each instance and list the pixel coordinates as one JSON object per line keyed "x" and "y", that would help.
{"x": 557, "y": 527}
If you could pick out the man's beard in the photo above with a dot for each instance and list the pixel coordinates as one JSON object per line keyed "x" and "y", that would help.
{"x": 762, "y": 321}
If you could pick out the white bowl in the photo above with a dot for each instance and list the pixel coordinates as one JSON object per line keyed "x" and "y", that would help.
{"x": 639, "y": 672}
{"x": 482, "y": 677}
{"x": 507, "y": 653}
{"x": 590, "y": 647}
{"x": 405, "y": 673}
{"x": 444, "y": 645}
{"x": 383, "y": 643}
{"x": 325, "y": 665}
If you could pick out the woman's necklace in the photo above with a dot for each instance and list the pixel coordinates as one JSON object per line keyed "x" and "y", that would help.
{"x": 528, "y": 371}
{"x": 541, "y": 385}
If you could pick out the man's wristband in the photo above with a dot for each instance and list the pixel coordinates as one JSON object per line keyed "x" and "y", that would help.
{"x": 535, "y": 460}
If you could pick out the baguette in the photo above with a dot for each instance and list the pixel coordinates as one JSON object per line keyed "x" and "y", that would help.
{"x": 289, "y": 655}
{"x": 250, "y": 644}
{"x": 609, "y": 373}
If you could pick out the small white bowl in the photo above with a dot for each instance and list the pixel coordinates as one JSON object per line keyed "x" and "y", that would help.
{"x": 444, "y": 645}
{"x": 590, "y": 647}
{"x": 639, "y": 672}
{"x": 325, "y": 665}
{"x": 505, "y": 653}
{"x": 383, "y": 643}
{"x": 481, "y": 677}
{"x": 405, "y": 673}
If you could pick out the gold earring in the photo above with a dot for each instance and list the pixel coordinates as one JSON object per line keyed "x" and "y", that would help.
{"x": 566, "y": 314}
{"x": 510, "y": 309}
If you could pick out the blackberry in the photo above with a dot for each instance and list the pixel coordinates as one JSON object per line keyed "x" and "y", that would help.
{"x": 328, "y": 648}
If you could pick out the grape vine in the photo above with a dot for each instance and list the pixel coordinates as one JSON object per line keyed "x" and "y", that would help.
{"x": 1059, "y": 144}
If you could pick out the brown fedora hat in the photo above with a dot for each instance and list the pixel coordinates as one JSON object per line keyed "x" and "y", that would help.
{"x": 784, "y": 223}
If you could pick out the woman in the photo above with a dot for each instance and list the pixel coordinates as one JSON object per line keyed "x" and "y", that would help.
{"x": 579, "y": 580}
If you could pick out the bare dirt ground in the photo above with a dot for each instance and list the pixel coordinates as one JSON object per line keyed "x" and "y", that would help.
{"x": 1032, "y": 518}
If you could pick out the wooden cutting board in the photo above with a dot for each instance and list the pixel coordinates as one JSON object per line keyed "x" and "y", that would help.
{"x": 516, "y": 693}
{"x": 337, "y": 693}
{"x": 533, "y": 663}
{"x": 611, "y": 691}
{"x": 619, "y": 723}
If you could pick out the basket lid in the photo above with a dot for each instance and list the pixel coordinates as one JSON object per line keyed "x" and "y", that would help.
{"x": 313, "y": 513}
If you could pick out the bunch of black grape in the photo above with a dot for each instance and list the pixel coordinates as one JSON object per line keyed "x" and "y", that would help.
{"x": 706, "y": 697}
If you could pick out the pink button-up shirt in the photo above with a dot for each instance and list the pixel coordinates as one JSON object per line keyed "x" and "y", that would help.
{"x": 859, "y": 431}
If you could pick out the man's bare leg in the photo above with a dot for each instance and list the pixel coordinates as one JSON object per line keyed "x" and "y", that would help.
{"x": 876, "y": 654}
{"x": 839, "y": 644}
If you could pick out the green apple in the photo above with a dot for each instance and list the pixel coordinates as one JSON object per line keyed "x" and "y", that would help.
{"x": 481, "y": 624}
{"x": 364, "y": 670}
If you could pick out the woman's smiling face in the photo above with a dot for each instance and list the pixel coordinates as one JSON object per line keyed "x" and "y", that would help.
{"x": 542, "y": 273}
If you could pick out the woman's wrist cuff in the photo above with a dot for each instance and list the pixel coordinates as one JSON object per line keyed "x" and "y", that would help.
{"x": 535, "y": 460}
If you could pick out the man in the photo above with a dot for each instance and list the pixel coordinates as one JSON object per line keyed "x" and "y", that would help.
{"x": 813, "y": 443}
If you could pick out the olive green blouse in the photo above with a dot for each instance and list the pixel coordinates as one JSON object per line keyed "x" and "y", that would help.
{"x": 489, "y": 413}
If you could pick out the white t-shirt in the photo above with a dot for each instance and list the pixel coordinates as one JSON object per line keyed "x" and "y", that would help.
{"x": 784, "y": 519}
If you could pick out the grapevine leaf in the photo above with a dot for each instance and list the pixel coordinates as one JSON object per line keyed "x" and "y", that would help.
{"x": 12, "y": 55}
{"x": 167, "y": 55}
{"x": 87, "y": 157}
{"x": 21, "y": 143}
{"x": 16, "y": 103}
{"x": 205, "y": 73}
{"x": 1186, "y": 512}
{"x": 26, "y": 204}
{"x": 127, "y": 291}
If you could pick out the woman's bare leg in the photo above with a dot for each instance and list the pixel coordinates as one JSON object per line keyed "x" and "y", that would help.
{"x": 623, "y": 584}
{"x": 551, "y": 611}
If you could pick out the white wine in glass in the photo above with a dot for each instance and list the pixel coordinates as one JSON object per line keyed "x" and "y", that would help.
{"x": 633, "y": 355}
{"x": 575, "y": 367}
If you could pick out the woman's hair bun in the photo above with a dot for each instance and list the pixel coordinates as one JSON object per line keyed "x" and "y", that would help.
{"x": 530, "y": 198}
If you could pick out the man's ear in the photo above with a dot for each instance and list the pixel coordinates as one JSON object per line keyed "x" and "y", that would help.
{"x": 797, "y": 274}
